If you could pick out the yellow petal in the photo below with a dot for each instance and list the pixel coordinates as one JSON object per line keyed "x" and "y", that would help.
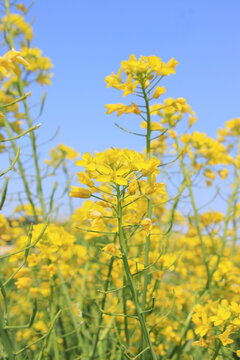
{"x": 103, "y": 178}
{"x": 80, "y": 192}
{"x": 120, "y": 180}
{"x": 104, "y": 169}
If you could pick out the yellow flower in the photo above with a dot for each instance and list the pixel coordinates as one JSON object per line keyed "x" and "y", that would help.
{"x": 111, "y": 250}
{"x": 60, "y": 153}
{"x": 148, "y": 167}
{"x": 191, "y": 120}
{"x": 172, "y": 133}
{"x": 159, "y": 67}
{"x": 21, "y": 7}
{"x": 80, "y": 192}
{"x": 159, "y": 91}
{"x": 85, "y": 179}
{"x": 209, "y": 174}
{"x": 154, "y": 109}
{"x": 133, "y": 186}
{"x": 19, "y": 26}
{"x": 147, "y": 225}
{"x": 155, "y": 126}
{"x": 115, "y": 80}
{"x": 129, "y": 86}
{"x": 207, "y": 148}
{"x": 9, "y": 63}
{"x": 224, "y": 337}
{"x": 170, "y": 67}
{"x": 44, "y": 79}
{"x": 94, "y": 214}
{"x": 36, "y": 62}
{"x": 223, "y": 173}
{"x": 200, "y": 342}
{"x": 23, "y": 283}
{"x": 40, "y": 326}
{"x": 232, "y": 127}
{"x": 133, "y": 109}
{"x": 122, "y": 109}
{"x": 202, "y": 322}
{"x": 222, "y": 314}
{"x": 68, "y": 151}
{"x": 236, "y": 322}
{"x": 235, "y": 308}
{"x": 111, "y": 108}
{"x": 134, "y": 66}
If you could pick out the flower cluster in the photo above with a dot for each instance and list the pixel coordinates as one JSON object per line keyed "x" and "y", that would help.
{"x": 60, "y": 154}
{"x": 19, "y": 26}
{"x": 140, "y": 72}
{"x": 139, "y": 269}
{"x": 217, "y": 320}
{"x": 114, "y": 167}
{"x": 9, "y": 63}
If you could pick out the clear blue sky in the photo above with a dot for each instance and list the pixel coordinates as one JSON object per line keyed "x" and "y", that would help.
{"x": 87, "y": 40}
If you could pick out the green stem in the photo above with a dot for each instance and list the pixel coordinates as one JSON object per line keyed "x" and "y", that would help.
{"x": 63, "y": 333}
{"x": 4, "y": 193}
{"x": 170, "y": 222}
{"x": 148, "y": 135}
{"x": 29, "y": 121}
{"x": 34, "y": 148}
{"x": 22, "y": 171}
{"x": 10, "y": 33}
{"x": 215, "y": 354}
{"x": 53, "y": 334}
{"x": 149, "y": 210}
{"x": 125, "y": 309}
{"x": 196, "y": 216}
{"x": 70, "y": 308}
{"x": 102, "y": 307}
{"x": 5, "y": 338}
{"x": 130, "y": 281}
{"x": 227, "y": 220}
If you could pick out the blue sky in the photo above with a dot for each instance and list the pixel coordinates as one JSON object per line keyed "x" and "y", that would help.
{"x": 87, "y": 40}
